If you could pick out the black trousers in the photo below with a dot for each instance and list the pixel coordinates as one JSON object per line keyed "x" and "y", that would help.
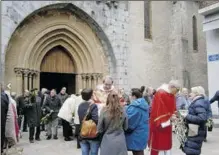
{"x": 32, "y": 132}
{"x": 77, "y": 132}
{"x": 67, "y": 129}
{"x": 2, "y": 137}
{"x": 25, "y": 123}
{"x": 138, "y": 152}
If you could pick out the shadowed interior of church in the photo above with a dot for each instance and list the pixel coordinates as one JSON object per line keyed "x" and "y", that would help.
{"x": 57, "y": 81}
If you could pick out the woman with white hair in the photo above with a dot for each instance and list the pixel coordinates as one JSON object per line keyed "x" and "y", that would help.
{"x": 196, "y": 120}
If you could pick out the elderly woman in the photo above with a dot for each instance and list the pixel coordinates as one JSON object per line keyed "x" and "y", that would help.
{"x": 196, "y": 120}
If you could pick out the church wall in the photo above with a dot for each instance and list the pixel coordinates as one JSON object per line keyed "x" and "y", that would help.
{"x": 149, "y": 58}
{"x": 139, "y": 61}
{"x": 197, "y": 60}
{"x": 112, "y": 20}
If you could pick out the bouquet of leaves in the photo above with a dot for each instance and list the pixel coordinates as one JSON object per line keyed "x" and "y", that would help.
{"x": 210, "y": 124}
{"x": 46, "y": 119}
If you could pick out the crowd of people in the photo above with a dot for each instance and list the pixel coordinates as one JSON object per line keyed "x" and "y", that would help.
{"x": 108, "y": 119}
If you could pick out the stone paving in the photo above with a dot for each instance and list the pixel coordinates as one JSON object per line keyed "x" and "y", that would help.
{"x": 60, "y": 147}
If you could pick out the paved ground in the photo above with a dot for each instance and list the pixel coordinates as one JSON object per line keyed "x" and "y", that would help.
{"x": 60, "y": 147}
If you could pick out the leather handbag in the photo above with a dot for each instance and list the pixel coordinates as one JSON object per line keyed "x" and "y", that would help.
{"x": 88, "y": 127}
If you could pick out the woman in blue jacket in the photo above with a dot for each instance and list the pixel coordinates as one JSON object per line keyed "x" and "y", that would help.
{"x": 137, "y": 133}
{"x": 197, "y": 116}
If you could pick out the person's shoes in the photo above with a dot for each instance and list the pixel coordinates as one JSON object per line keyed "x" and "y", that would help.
{"x": 24, "y": 131}
{"x": 68, "y": 139}
{"x": 31, "y": 141}
{"x": 55, "y": 137}
{"x": 48, "y": 137}
{"x": 38, "y": 139}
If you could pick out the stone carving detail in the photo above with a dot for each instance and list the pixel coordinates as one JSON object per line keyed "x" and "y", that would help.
{"x": 110, "y": 4}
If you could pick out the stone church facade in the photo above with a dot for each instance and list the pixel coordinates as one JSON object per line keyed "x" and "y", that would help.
{"x": 138, "y": 43}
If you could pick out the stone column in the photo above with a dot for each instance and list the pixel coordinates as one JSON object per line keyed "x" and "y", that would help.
{"x": 78, "y": 82}
{"x": 30, "y": 76}
{"x": 19, "y": 81}
{"x": 99, "y": 80}
{"x": 37, "y": 80}
{"x": 89, "y": 80}
{"x": 83, "y": 76}
{"x": 95, "y": 80}
{"x": 26, "y": 73}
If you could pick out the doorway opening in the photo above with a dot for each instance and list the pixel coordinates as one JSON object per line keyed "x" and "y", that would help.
{"x": 56, "y": 81}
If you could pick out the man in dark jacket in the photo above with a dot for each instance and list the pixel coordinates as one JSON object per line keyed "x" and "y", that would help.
{"x": 21, "y": 101}
{"x": 52, "y": 106}
{"x": 215, "y": 98}
{"x": 33, "y": 112}
{"x": 4, "y": 111}
{"x": 63, "y": 95}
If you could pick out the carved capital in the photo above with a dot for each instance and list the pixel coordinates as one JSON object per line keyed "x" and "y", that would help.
{"x": 26, "y": 72}
{"x": 83, "y": 76}
{"x": 18, "y": 71}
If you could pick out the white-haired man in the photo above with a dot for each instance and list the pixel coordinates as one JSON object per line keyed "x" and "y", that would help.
{"x": 163, "y": 110}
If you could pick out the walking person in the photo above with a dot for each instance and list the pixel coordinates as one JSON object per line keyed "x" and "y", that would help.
{"x": 196, "y": 121}
{"x": 215, "y": 98}
{"x": 33, "y": 111}
{"x": 112, "y": 124}
{"x": 138, "y": 123}
{"x": 87, "y": 110}
{"x": 53, "y": 105}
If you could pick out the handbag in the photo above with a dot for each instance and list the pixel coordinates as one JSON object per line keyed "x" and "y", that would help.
{"x": 88, "y": 127}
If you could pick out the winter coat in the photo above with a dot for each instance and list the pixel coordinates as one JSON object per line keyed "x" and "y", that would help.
{"x": 93, "y": 114}
{"x": 53, "y": 103}
{"x": 78, "y": 101}
{"x": 181, "y": 102}
{"x": 209, "y": 110}
{"x": 11, "y": 127}
{"x": 138, "y": 128}
{"x": 4, "y": 111}
{"x": 33, "y": 112}
{"x": 113, "y": 140}
{"x": 63, "y": 97}
{"x": 67, "y": 109}
{"x": 215, "y": 98}
{"x": 197, "y": 115}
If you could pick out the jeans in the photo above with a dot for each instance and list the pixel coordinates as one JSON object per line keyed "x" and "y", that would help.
{"x": 52, "y": 127}
{"x": 89, "y": 147}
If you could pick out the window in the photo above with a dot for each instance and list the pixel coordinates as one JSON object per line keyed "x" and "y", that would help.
{"x": 194, "y": 32}
{"x": 147, "y": 20}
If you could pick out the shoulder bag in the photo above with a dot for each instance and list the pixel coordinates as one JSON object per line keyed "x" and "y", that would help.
{"x": 88, "y": 127}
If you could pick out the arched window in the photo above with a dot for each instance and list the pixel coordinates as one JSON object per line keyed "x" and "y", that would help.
{"x": 194, "y": 32}
{"x": 147, "y": 20}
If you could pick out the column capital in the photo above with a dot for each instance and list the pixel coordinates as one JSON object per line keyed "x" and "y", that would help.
{"x": 26, "y": 72}
{"x": 18, "y": 71}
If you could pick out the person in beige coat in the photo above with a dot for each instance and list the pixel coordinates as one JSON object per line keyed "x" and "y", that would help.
{"x": 66, "y": 114}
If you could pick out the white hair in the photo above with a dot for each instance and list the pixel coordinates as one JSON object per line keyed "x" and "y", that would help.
{"x": 108, "y": 78}
{"x": 175, "y": 83}
{"x": 198, "y": 91}
{"x": 43, "y": 90}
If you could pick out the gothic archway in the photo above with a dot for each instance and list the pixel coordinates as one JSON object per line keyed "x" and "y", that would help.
{"x": 49, "y": 27}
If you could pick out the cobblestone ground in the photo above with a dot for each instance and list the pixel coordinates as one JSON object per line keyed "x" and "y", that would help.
{"x": 60, "y": 147}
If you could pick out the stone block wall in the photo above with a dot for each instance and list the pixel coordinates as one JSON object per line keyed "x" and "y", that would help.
{"x": 112, "y": 20}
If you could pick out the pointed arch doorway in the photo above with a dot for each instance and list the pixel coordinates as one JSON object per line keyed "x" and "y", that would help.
{"x": 57, "y": 70}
